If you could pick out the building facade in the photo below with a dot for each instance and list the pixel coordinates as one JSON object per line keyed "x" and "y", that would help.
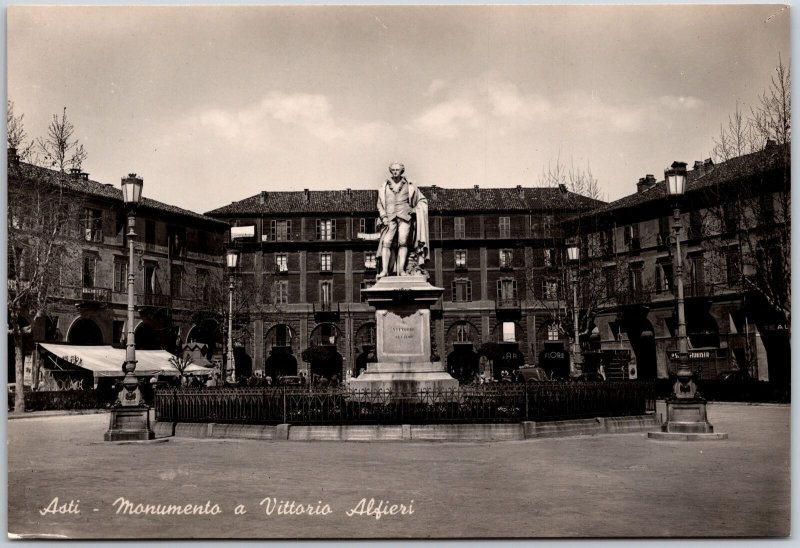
{"x": 734, "y": 242}
{"x": 179, "y": 257}
{"x": 306, "y": 256}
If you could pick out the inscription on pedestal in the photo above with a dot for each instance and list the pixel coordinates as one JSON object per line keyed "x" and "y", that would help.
{"x": 403, "y": 336}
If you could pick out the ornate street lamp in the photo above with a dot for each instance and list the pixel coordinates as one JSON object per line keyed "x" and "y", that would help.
{"x": 686, "y": 409}
{"x": 232, "y": 259}
{"x": 130, "y": 417}
{"x": 573, "y": 253}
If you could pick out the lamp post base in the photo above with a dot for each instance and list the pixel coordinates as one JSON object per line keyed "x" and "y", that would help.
{"x": 129, "y": 424}
{"x": 687, "y": 421}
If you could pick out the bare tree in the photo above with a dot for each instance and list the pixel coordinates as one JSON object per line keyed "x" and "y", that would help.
{"x": 58, "y": 148}
{"x": 39, "y": 229}
{"x": 16, "y": 136}
{"x": 748, "y": 220}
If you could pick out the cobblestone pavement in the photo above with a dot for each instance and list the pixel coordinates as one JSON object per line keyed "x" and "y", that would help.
{"x": 612, "y": 485}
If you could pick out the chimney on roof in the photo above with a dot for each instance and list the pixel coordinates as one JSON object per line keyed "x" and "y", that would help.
{"x": 349, "y": 194}
{"x": 13, "y": 156}
{"x": 83, "y": 176}
{"x": 562, "y": 188}
{"x": 477, "y": 191}
{"x": 770, "y": 144}
{"x": 708, "y": 164}
{"x": 520, "y": 191}
{"x": 308, "y": 194}
{"x": 645, "y": 182}
{"x": 434, "y": 188}
{"x": 75, "y": 172}
{"x": 262, "y": 198}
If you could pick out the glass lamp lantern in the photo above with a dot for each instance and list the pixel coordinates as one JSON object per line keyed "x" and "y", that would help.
{"x": 675, "y": 178}
{"x": 232, "y": 258}
{"x": 572, "y": 253}
{"x": 132, "y": 189}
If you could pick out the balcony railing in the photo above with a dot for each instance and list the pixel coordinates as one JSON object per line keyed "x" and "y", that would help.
{"x": 86, "y": 294}
{"x": 151, "y": 299}
{"x": 326, "y": 311}
{"x": 507, "y": 303}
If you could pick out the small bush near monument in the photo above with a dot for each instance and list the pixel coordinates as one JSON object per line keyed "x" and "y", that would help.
{"x": 68, "y": 400}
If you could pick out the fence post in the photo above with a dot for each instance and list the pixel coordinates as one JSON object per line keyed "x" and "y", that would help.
{"x": 526, "y": 401}
{"x": 284, "y": 405}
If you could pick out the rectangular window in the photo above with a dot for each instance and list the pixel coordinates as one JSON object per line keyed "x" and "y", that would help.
{"x": 177, "y": 241}
{"x": 552, "y": 332}
{"x": 695, "y": 225}
{"x": 507, "y": 291}
{"x": 549, "y": 257}
{"x": 663, "y": 232}
{"x": 729, "y": 217}
{"x": 150, "y": 232}
{"x": 89, "y": 267}
{"x": 506, "y": 258}
{"x": 325, "y": 262}
{"x": 504, "y": 223}
{"x": 326, "y": 293}
{"x": 610, "y": 278}
{"x": 635, "y": 281}
{"x": 696, "y": 275}
{"x": 550, "y": 288}
{"x": 120, "y": 275}
{"x": 176, "y": 282}
{"x": 632, "y": 236}
{"x": 281, "y": 292}
{"x": 462, "y": 333}
{"x": 370, "y": 261}
{"x": 93, "y": 224}
{"x": 462, "y": 290}
{"x": 664, "y": 276}
{"x": 509, "y": 332}
{"x": 367, "y": 225}
{"x": 118, "y": 332}
{"x": 607, "y": 242}
{"x": 151, "y": 281}
{"x": 732, "y": 268}
{"x": 459, "y": 228}
{"x": 279, "y": 230}
{"x": 460, "y": 258}
{"x": 326, "y": 229}
{"x": 281, "y": 262}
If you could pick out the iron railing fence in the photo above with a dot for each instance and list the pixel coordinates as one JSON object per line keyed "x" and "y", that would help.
{"x": 467, "y": 404}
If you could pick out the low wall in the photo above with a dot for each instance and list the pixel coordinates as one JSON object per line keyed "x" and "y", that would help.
{"x": 412, "y": 432}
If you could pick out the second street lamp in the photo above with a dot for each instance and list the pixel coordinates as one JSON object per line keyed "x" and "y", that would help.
{"x": 573, "y": 253}
{"x": 130, "y": 418}
{"x": 232, "y": 259}
{"x": 686, "y": 409}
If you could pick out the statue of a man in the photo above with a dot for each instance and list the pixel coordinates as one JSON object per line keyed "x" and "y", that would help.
{"x": 404, "y": 223}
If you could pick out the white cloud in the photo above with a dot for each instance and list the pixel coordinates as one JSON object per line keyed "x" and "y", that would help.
{"x": 447, "y": 119}
{"x": 309, "y": 113}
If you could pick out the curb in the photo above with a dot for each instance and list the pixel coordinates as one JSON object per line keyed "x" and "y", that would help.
{"x": 411, "y": 432}
{"x": 40, "y": 414}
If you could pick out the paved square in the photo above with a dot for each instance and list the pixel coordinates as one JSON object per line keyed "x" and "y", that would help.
{"x": 612, "y": 485}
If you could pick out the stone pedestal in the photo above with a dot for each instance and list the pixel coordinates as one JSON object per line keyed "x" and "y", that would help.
{"x": 129, "y": 423}
{"x": 687, "y": 420}
{"x": 403, "y": 332}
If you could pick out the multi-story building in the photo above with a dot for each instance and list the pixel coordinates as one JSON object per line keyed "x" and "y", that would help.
{"x": 179, "y": 256}
{"x": 306, "y": 256}
{"x": 734, "y": 243}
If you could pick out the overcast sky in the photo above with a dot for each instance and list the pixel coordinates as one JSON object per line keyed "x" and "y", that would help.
{"x": 212, "y": 105}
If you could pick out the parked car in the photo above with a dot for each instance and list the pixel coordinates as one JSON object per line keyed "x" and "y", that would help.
{"x": 533, "y": 374}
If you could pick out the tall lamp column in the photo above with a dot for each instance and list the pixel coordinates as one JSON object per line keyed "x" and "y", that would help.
{"x": 573, "y": 253}
{"x": 130, "y": 418}
{"x": 686, "y": 409}
{"x": 232, "y": 257}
